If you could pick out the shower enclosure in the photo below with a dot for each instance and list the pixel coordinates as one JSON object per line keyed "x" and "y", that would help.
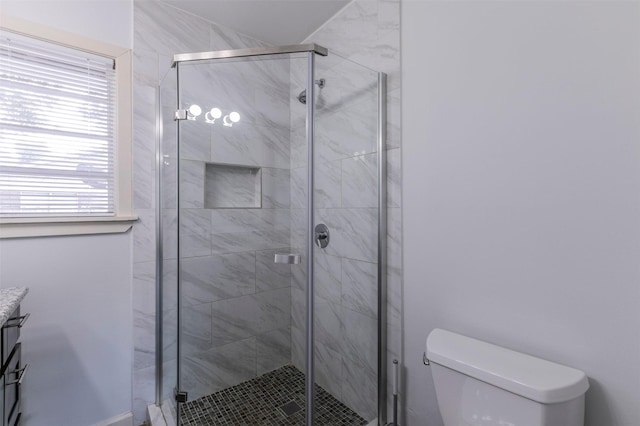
{"x": 271, "y": 228}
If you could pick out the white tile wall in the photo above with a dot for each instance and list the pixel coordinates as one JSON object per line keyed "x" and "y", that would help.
{"x": 368, "y": 33}
{"x": 225, "y": 253}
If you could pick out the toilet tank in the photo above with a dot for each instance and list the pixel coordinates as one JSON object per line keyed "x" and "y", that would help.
{"x": 480, "y": 384}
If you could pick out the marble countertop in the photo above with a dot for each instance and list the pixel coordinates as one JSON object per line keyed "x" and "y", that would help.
{"x": 10, "y": 298}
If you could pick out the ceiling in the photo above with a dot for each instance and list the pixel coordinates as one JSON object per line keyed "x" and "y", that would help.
{"x": 278, "y": 22}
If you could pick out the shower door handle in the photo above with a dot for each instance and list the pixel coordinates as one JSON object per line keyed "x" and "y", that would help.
{"x": 287, "y": 258}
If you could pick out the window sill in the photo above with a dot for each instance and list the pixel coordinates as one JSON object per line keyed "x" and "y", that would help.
{"x": 48, "y": 227}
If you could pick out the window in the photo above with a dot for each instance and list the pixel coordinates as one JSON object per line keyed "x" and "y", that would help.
{"x": 65, "y": 161}
{"x": 57, "y": 139}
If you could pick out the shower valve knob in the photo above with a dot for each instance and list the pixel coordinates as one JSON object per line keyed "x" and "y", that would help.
{"x": 322, "y": 235}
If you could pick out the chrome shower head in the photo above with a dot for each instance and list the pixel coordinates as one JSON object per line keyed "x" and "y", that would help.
{"x": 302, "y": 96}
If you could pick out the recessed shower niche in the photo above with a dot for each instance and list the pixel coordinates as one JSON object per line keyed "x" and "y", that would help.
{"x": 232, "y": 186}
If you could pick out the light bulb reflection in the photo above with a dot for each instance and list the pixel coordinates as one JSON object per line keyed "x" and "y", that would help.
{"x": 230, "y": 119}
{"x": 193, "y": 112}
{"x": 211, "y": 116}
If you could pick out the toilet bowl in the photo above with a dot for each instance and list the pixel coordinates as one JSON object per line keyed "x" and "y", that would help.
{"x": 481, "y": 384}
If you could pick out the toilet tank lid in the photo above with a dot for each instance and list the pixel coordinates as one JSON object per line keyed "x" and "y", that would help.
{"x": 534, "y": 378}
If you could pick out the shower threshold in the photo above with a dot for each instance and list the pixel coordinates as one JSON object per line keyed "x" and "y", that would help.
{"x": 275, "y": 398}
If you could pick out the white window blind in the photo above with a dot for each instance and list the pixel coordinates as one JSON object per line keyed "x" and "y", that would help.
{"x": 57, "y": 130}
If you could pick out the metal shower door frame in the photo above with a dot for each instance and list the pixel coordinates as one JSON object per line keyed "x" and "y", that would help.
{"x": 310, "y": 123}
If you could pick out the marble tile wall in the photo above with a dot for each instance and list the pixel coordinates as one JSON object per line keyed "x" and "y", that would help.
{"x": 346, "y": 270}
{"x": 234, "y": 220}
{"x": 236, "y": 302}
{"x": 366, "y": 32}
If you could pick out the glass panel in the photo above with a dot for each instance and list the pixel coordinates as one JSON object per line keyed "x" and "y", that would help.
{"x": 346, "y": 271}
{"x": 167, "y": 186}
{"x": 242, "y": 186}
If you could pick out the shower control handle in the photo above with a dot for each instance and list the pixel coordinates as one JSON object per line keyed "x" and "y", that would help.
{"x": 322, "y": 235}
{"x": 321, "y": 239}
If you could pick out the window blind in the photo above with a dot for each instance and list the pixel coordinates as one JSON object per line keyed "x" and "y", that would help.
{"x": 57, "y": 130}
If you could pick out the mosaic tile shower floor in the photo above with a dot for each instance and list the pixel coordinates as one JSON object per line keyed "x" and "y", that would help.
{"x": 266, "y": 400}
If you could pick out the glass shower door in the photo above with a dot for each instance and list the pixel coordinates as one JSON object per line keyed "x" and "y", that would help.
{"x": 238, "y": 148}
{"x": 347, "y": 189}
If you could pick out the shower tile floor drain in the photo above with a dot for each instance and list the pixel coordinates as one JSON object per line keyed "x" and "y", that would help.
{"x": 291, "y": 408}
{"x": 275, "y": 398}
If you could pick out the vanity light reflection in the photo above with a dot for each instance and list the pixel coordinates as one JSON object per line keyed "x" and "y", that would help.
{"x": 213, "y": 115}
{"x": 194, "y": 111}
{"x": 230, "y": 119}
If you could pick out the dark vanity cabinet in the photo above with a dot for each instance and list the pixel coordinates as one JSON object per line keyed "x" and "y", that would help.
{"x": 13, "y": 370}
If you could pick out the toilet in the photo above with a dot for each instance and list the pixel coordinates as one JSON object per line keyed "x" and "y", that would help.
{"x": 480, "y": 384}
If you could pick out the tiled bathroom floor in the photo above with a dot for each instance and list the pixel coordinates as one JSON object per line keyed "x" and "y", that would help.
{"x": 266, "y": 400}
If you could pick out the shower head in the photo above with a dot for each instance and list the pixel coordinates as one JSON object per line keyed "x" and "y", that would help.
{"x": 302, "y": 96}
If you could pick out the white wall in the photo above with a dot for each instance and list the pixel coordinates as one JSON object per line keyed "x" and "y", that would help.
{"x": 79, "y": 337}
{"x": 78, "y": 340}
{"x": 521, "y": 189}
{"x": 110, "y": 21}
